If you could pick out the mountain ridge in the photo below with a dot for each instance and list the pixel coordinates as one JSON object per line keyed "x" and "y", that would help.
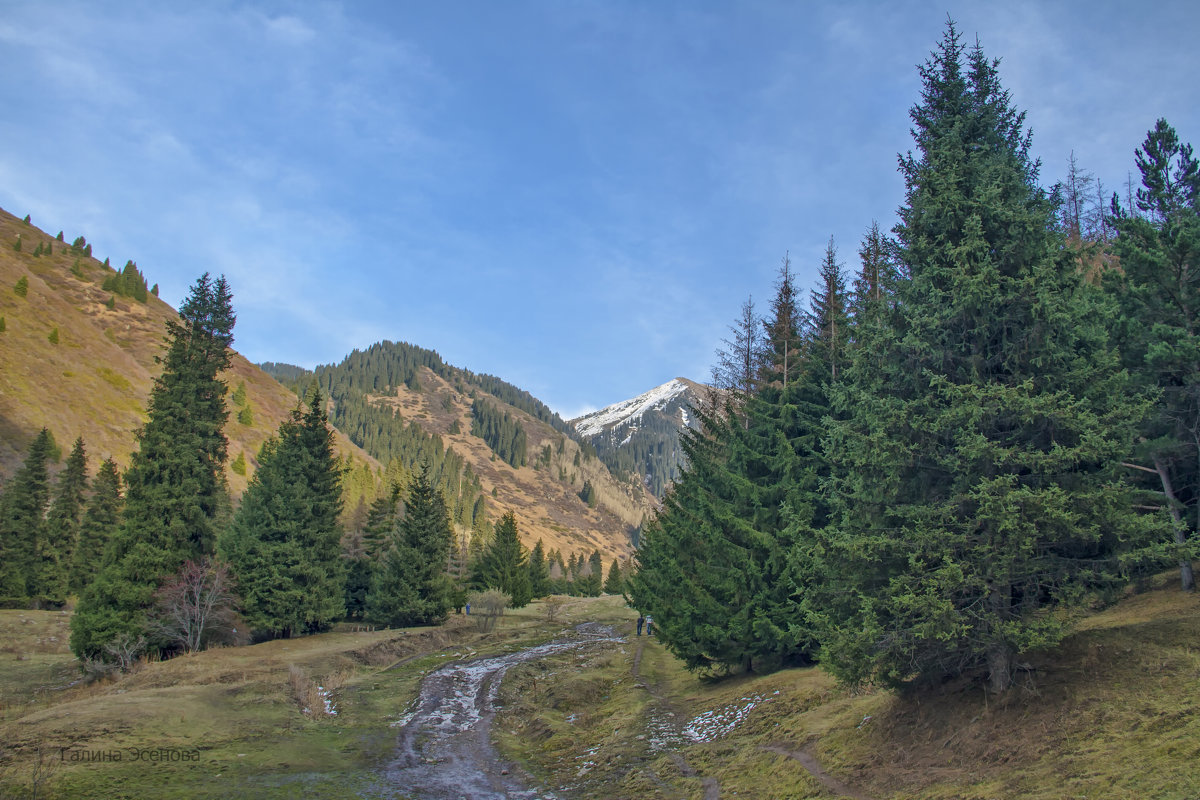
{"x": 80, "y": 359}
{"x": 640, "y": 436}
{"x": 378, "y": 390}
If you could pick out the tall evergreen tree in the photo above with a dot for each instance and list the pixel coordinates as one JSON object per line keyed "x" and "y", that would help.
{"x": 1158, "y": 287}
{"x": 980, "y": 488}
{"x": 875, "y": 284}
{"x": 613, "y": 584}
{"x": 539, "y": 572}
{"x": 285, "y": 541}
{"x": 377, "y": 536}
{"x": 175, "y": 486}
{"x": 714, "y": 568}
{"x": 410, "y": 586}
{"x": 829, "y": 321}
{"x": 23, "y": 518}
{"x": 57, "y": 546}
{"x": 739, "y": 362}
{"x": 100, "y": 523}
{"x": 783, "y": 331}
{"x": 504, "y": 565}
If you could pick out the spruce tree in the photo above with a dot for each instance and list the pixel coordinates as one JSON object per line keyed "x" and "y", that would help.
{"x": 781, "y": 363}
{"x": 591, "y": 575}
{"x": 175, "y": 485}
{"x": 715, "y": 567}
{"x": 539, "y": 572}
{"x": 612, "y": 582}
{"x": 100, "y": 523}
{"x": 738, "y": 370}
{"x": 875, "y": 283}
{"x": 977, "y": 478}
{"x": 284, "y": 543}
{"x": 700, "y": 563}
{"x": 829, "y": 321}
{"x": 57, "y": 547}
{"x": 377, "y": 536}
{"x": 23, "y": 518}
{"x": 410, "y": 586}
{"x": 1158, "y": 288}
{"x": 504, "y": 564}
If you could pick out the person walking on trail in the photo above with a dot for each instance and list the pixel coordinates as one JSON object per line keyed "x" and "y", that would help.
{"x": 641, "y": 622}
{"x": 649, "y": 626}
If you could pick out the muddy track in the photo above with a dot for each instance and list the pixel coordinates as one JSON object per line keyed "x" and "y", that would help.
{"x": 712, "y": 789}
{"x": 444, "y": 749}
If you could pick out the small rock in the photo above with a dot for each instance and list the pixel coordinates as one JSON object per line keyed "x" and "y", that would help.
{"x": 503, "y": 772}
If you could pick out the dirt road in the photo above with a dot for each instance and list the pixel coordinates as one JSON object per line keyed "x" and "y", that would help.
{"x": 444, "y": 750}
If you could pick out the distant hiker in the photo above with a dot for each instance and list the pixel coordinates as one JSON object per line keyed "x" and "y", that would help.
{"x": 649, "y": 626}
{"x": 641, "y": 622}
{"x": 468, "y": 609}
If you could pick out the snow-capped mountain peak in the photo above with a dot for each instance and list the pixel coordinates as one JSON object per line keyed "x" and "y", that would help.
{"x": 629, "y": 411}
{"x": 641, "y": 435}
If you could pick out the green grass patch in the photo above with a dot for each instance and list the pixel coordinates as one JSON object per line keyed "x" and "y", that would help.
{"x": 112, "y": 378}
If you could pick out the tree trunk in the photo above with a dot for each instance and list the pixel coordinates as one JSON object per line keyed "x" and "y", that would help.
{"x": 1187, "y": 578}
{"x": 1000, "y": 654}
{"x": 1000, "y": 667}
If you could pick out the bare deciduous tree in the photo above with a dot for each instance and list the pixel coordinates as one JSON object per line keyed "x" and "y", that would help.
{"x": 196, "y": 607}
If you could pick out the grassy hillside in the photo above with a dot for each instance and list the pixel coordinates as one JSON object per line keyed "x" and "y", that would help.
{"x": 1113, "y": 713}
{"x": 95, "y": 380}
{"x": 380, "y": 394}
{"x": 544, "y": 495}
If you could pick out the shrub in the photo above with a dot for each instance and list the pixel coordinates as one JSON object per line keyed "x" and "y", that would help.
{"x": 553, "y": 605}
{"x": 21, "y": 287}
{"x": 125, "y": 650}
{"x": 487, "y": 607}
{"x": 238, "y": 465}
{"x": 307, "y": 694}
{"x": 2, "y": 325}
{"x": 53, "y": 337}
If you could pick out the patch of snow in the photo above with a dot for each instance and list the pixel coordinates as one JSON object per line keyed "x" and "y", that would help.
{"x": 721, "y": 721}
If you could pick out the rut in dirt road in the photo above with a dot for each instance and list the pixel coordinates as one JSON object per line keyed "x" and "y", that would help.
{"x": 444, "y": 750}
{"x": 669, "y": 731}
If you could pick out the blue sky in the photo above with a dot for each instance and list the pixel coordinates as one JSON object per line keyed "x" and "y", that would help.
{"x": 575, "y": 196}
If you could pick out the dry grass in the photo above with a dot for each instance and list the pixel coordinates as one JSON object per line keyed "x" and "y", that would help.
{"x": 239, "y": 709}
{"x": 1114, "y": 712}
{"x": 95, "y": 382}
